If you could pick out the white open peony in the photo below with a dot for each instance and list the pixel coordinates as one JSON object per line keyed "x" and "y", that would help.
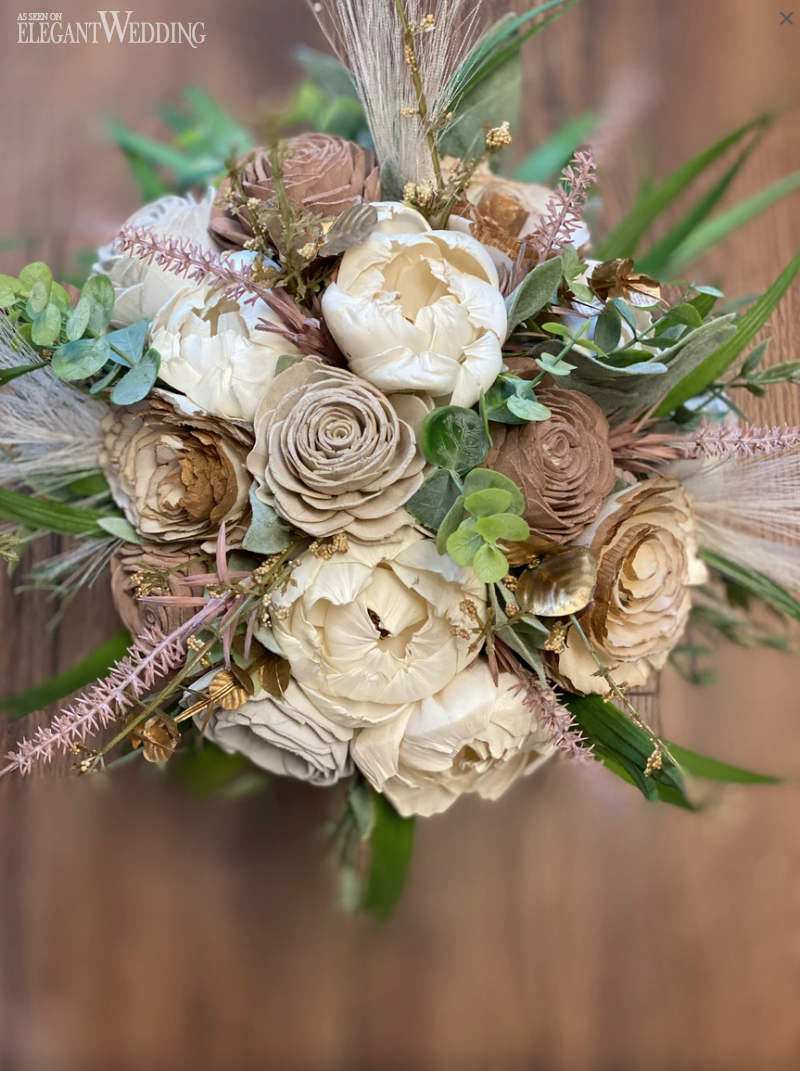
{"x": 141, "y": 288}
{"x": 369, "y": 631}
{"x": 419, "y": 310}
{"x": 214, "y": 352}
{"x": 472, "y": 736}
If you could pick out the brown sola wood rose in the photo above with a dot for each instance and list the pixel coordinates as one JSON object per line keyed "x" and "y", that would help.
{"x": 335, "y": 453}
{"x": 176, "y": 472}
{"x": 564, "y": 464}
{"x": 321, "y": 172}
{"x": 139, "y": 571}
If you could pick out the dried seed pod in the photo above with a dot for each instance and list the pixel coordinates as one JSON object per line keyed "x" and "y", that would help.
{"x": 562, "y": 584}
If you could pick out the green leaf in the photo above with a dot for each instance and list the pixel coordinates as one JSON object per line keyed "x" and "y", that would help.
{"x": 713, "y": 770}
{"x": 782, "y": 372}
{"x": 39, "y": 297}
{"x": 80, "y": 359}
{"x": 7, "y": 374}
{"x": 490, "y": 564}
{"x": 608, "y": 328}
{"x": 763, "y": 587}
{"x": 454, "y": 438}
{"x": 488, "y": 502}
{"x": 31, "y": 274}
{"x": 432, "y": 502}
{"x": 46, "y": 326}
{"x": 715, "y": 230}
{"x": 390, "y": 854}
{"x": 99, "y": 291}
{"x": 465, "y": 542}
{"x": 748, "y": 326}
{"x": 533, "y": 293}
{"x": 78, "y": 320}
{"x": 452, "y": 519}
{"x": 128, "y": 342}
{"x": 502, "y": 526}
{"x": 266, "y": 534}
{"x": 137, "y": 383}
{"x": 120, "y": 528}
{"x": 48, "y": 515}
{"x": 624, "y": 239}
{"x": 92, "y": 668}
{"x": 625, "y": 749}
{"x": 9, "y": 289}
{"x": 549, "y": 158}
{"x": 479, "y": 479}
{"x": 527, "y": 409}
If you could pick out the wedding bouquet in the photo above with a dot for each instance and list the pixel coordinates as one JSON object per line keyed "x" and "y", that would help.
{"x": 399, "y": 475}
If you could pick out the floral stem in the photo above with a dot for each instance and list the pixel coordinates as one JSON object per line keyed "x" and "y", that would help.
{"x": 422, "y": 104}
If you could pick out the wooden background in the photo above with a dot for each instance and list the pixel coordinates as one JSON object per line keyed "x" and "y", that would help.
{"x": 569, "y": 926}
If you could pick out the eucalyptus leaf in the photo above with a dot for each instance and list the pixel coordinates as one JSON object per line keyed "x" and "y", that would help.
{"x": 120, "y": 528}
{"x": 80, "y": 359}
{"x": 465, "y": 542}
{"x": 266, "y": 534}
{"x": 128, "y": 342}
{"x": 431, "y": 503}
{"x": 452, "y": 519}
{"x": 488, "y": 502}
{"x": 138, "y": 381}
{"x": 527, "y": 408}
{"x": 502, "y": 526}
{"x": 78, "y": 320}
{"x": 479, "y": 479}
{"x": 39, "y": 297}
{"x": 46, "y": 326}
{"x": 608, "y": 328}
{"x": 490, "y": 564}
{"x": 37, "y": 272}
{"x": 99, "y": 291}
{"x": 454, "y": 438}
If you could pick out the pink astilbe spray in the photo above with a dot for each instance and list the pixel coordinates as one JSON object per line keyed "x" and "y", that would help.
{"x": 152, "y": 657}
{"x": 232, "y": 278}
{"x": 735, "y": 440}
{"x": 562, "y": 214}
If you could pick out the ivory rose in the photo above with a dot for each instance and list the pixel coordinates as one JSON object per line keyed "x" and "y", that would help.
{"x": 378, "y": 627}
{"x": 334, "y": 453}
{"x": 472, "y": 736}
{"x": 285, "y": 735}
{"x": 419, "y": 310}
{"x": 214, "y": 352}
{"x": 142, "y": 288}
{"x": 645, "y": 543}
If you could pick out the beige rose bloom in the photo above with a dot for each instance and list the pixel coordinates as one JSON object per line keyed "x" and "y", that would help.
{"x": 383, "y": 625}
{"x": 286, "y": 736}
{"x": 645, "y": 542}
{"x": 334, "y": 454}
{"x": 176, "y": 473}
{"x": 472, "y": 736}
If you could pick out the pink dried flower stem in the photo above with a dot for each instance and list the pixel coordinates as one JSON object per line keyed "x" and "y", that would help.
{"x": 562, "y": 214}
{"x": 152, "y": 657}
{"x": 733, "y": 440}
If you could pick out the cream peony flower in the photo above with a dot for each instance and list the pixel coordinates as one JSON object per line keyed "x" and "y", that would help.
{"x": 142, "y": 288}
{"x": 333, "y": 453}
{"x": 645, "y": 542}
{"x": 378, "y": 627}
{"x": 419, "y": 310}
{"x": 212, "y": 349}
{"x": 285, "y": 736}
{"x": 472, "y": 736}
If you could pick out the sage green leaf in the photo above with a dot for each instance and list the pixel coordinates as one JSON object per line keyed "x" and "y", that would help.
{"x": 608, "y": 328}
{"x": 533, "y": 293}
{"x": 624, "y": 239}
{"x": 763, "y": 587}
{"x": 464, "y": 543}
{"x": 391, "y": 843}
{"x": 61, "y": 299}
{"x": 94, "y": 667}
{"x": 479, "y": 479}
{"x": 9, "y": 289}
{"x": 452, "y": 519}
{"x": 105, "y": 381}
{"x": 37, "y": 272}
{"x": 549, "y": 158}
{"x": 286, "y": 361}
{"x": 128, "y": 342}
{"x": 454, "y": 438}
{"x": 39, "y": 297}
{"x": 120, "y": 528}
{"x": 46, "y": 326}
{"x": 490, "y": 564}
{"x": 47, "y": 515}
{"x": 266, "y": 534}
{"x": 713, "y": 770}
{"x": 78, "y": 320}
{"x": 99, "y": 291}
{"x": 782, "y": 372}
{"x": 502, "y": 526}
{"x": 80, "y": 359}
{"x": 712, "y": 367}
{"x": 138, "y": 381}
{"x": 432, "y": 502}
{"x": 527, "y": 409}
{"x": 488, "y": 502}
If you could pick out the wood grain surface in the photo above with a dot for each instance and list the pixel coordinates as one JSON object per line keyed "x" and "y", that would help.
{"x": 569, "y": 926}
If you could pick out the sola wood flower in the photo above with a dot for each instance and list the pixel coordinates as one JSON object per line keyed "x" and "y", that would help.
{"x": 138, "y": 572}
{"x": 377, "y": 627}
{"x": 175, "y": 472}
{"x": 335, "y": 453}
{"x": 419, "y": 310}
{"x": 143, "y": 288}
{"x": 283, "y": 734}
{"x": 646, "y": 546}
{"x": 472, "y": 736}
{"x": 564, "y": 464}
{"x": 321, "y": 172}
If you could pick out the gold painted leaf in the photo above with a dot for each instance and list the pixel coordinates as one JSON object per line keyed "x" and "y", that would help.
{"x": 225, "y": 691}
{"x": 159, "y": 737}
{"x": 562, "y": 584}
{"x": 274, "y": 674}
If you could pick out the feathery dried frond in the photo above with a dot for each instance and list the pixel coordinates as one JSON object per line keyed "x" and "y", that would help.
{"x": 719, "y": 440}
{"x": 562, "y": 215}
{"x": 369, "y": 37}
{"x": 48, "y": 430}
{"x": 541, "y": 700}
{"x": 748, "y": 510}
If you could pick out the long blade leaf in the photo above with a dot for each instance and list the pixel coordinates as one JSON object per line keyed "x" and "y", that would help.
{"x": 390, "y": 853}
{"x": 713, "y": 770}
{"x": 549, "y": 158}
{"x": 756, "y": 583}
{"x": 48, "y": 515}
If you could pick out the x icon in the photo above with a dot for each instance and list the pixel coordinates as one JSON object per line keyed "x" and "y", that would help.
{"x": 786, "y": 18}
